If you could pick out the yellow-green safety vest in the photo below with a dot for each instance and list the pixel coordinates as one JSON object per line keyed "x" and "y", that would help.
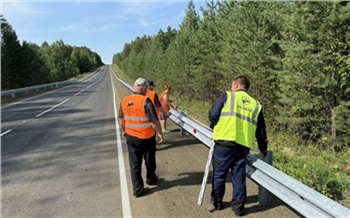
{"x": 238, "y": 119}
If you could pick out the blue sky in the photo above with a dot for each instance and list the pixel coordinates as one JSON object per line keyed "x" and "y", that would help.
{"x": 104, "y": 27}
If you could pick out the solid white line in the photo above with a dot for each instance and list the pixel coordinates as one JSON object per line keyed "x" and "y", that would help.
{"x": 78, "y": 93}
{"x": 4, "y": 133}
{"x": 48, "y": 110}
{"x": 122, "y": 174}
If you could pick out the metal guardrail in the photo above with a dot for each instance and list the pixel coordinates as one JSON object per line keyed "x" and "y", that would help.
{"x": 300, "y": 197}
{"x": 25, "y": 90}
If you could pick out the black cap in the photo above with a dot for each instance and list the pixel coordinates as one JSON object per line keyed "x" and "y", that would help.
{"x": 150, "y": 83}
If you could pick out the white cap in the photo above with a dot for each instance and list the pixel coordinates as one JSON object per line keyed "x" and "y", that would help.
{"x": 140, "y": 82}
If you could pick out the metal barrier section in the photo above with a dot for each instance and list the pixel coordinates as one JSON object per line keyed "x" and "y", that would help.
{"x": 12, "y": 92}
{"x": 300, "y": 197}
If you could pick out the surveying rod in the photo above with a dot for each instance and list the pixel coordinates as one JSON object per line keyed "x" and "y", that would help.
{"x": 206, "y": 174}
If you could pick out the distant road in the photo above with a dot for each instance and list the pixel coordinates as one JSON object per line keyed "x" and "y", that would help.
{"x": 61, "y": 158}
{"x": 58, "y": 153}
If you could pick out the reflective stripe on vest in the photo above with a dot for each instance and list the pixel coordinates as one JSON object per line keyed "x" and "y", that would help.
{"x": 136, "y": 118}
{"x": 137, "y": 123}
{"x": 238, "y": 119}
{"x": 233, "y": 113}
{"x": 130, "y": 125}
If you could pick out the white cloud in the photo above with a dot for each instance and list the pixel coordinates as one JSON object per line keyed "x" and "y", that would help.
{"x": 21, "y": 9}
{"x": 146, "y": 13}
{"x": 143, "y": 22}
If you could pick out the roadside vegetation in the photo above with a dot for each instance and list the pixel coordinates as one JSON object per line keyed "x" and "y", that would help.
{"x": 297, "y": 56}
{"x": 27, "y": 64}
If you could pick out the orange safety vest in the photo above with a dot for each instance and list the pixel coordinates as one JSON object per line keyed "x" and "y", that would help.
{"x": 151, "y": 95}
{"x": 165, "y": 104}
{"x": 137, "y": 123}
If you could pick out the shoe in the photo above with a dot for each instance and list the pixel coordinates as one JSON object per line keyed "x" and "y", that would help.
{"x": 144, "y": 191}
{"x": 241, "y": 213}
{"x": 238, "y": 208}
{"x": 153, "y": 182}
{"x": 217, "y": 204}
{"x": 165, "y": 131}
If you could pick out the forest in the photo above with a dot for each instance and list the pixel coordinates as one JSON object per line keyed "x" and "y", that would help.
{"x": 27, "y": 64}
{"x": 297, "y": 56}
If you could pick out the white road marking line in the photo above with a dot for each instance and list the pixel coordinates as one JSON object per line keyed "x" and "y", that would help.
{"x": 78, "y": 93}
{"x": 48, "y": 110}
{"x": 4, "y": 133}
{"x": 122, "y": 174}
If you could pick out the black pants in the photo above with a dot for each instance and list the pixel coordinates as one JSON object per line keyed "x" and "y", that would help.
{"x": 138, "y": 149}
{"x": 230, "y": 158}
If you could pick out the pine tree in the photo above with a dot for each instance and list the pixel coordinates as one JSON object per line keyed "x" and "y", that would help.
{"x": 11, "y": 57}
{"x": 182, "y": 52}
{"x": 315, "y": 76}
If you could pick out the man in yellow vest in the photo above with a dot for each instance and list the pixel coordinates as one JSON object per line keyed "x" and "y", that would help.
{"x": 237, "y": 119}
{"x": 138, "y": 119}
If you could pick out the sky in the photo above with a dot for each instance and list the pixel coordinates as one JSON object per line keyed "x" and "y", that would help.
{"x": 103, "y": 27}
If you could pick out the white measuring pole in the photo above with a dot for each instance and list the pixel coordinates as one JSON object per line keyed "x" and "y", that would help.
{"x": 206, "y": 174}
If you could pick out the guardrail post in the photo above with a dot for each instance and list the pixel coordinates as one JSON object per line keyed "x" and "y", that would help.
{"x": 182, "y": 130}
{"x": 264, "y": 196}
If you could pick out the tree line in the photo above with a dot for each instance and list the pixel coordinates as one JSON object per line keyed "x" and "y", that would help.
{"x": 28, "y": 64}
{"x": 296, "y": 54}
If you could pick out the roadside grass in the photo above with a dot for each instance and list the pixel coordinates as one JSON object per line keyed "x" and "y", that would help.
{"x": 194, "y": 109}
{"x": 122, "y": 75}
{"x": 87, "y": 75}
{"x": 323, "y": 170}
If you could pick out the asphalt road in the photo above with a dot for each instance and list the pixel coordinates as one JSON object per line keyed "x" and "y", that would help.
{"x": 62, "y": 156}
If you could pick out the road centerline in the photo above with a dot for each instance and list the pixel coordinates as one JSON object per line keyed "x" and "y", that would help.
{"x": 53, "y": 107}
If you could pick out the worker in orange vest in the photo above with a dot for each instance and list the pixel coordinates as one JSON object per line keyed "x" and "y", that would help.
{"x": 138, "y": 119}
{"x": 166, "y": 104}
{"x": 155, "y": 100}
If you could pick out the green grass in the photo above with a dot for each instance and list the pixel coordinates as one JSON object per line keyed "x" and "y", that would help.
{"x": 122, "y": 75}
